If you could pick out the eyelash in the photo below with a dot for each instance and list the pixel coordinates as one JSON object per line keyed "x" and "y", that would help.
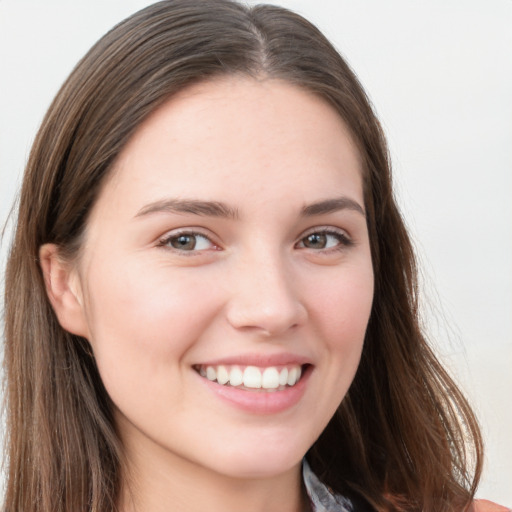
{"x": 167, "y": 240}
{"x": 343, "y": 241}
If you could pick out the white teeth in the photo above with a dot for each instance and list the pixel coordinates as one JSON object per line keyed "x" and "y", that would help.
{"x": 270, "y": 378}
{"x": 292, "y": 376}
{"x": 252, "y": 377}
{"x": 211, "y": 374}
{"x": 222, "y": 375}
{"x": 236, "y": 377}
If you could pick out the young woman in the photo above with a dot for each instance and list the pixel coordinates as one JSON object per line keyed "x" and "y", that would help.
{"x": 211, "y": 296}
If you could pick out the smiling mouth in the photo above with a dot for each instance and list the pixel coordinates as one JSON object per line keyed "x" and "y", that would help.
{"x": 271, "y": 378}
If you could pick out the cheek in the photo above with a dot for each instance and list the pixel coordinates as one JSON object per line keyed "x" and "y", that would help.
{"x": 340, "y": 310}
{"x": 341, "y": 306}
{"x": 144, "y": 319}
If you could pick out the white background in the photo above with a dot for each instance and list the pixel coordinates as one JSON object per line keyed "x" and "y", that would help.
{"x": 440, "y": 76}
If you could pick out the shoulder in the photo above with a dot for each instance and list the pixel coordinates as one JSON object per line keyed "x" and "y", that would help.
{"x": 487, "y": 506}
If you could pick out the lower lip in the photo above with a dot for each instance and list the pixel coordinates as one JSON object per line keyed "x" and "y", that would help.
{"x": 259, "y": 401}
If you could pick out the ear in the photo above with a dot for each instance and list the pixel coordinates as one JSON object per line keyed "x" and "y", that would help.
{"x": 64, "y": 290}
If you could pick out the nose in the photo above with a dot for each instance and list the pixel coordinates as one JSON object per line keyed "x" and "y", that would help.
{"x": 264, "y": 296}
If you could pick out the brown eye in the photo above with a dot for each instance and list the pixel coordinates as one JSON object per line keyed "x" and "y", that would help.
{"x": 324, "y": 240}
{"x": 183, "y": 242}
{"x": 188, "y": 242}
{"x": 315, "y": 241}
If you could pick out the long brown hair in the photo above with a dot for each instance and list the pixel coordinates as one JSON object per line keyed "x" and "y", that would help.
{"x": 404, "y": 438}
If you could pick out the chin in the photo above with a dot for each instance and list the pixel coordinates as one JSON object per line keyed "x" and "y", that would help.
{"x": 260, "y": 463}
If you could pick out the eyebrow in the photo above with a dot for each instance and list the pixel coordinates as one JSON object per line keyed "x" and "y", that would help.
{"x": 222, "y": 210}
{"x": 332, "y": 205}
{"x": 190, "y": 206}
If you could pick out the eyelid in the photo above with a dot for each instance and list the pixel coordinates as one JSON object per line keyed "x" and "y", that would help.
{"x": 325, "y": 229}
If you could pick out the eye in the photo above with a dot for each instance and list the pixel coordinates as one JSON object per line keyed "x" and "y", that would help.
{"x": 188, "y": 242}
{"x": 324, "y": 239}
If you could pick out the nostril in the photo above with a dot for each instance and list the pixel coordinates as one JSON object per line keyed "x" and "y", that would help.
{"x": 264, "y": 318}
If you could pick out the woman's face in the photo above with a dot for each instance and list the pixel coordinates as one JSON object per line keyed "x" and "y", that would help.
{"x": 228, "y": 252}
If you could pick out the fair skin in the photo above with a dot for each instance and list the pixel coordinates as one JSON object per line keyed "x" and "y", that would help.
{"x": 230, "y": 234}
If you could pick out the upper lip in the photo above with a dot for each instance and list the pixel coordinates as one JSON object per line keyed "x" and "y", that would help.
{"x": 261, "y": 360}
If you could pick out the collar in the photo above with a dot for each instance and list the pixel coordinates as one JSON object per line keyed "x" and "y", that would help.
{"x": 321, "y": 497}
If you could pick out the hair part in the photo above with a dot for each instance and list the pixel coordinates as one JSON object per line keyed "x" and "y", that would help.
{"x": 404, "y": 438}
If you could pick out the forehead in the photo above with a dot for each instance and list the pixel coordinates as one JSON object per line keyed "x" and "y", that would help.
{"x": 238, "y": 138}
